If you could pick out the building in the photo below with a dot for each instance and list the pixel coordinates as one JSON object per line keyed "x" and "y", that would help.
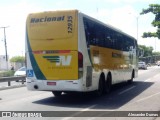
{"x": 4, "y": 65}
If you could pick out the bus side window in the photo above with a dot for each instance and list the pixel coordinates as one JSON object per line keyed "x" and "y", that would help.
{"x": 108, "y": 40}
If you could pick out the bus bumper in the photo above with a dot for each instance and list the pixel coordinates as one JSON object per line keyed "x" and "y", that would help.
{"x": 59, "y": 85}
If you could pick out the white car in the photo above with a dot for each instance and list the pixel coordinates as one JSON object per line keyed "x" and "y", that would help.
{"x": 158, "y": 63}
{"x": 20, "y": 72}
{"x": 142, "y": 65}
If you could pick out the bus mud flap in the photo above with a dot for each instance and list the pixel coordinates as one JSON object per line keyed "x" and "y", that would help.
{"x": 89, "y": 76}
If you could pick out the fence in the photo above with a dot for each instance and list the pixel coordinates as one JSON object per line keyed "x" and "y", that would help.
{"x": 150, "y": 59}
{"x": 9, "y": 79}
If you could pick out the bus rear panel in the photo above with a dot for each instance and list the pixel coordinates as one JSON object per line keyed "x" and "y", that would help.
{"x": 52, "y": 51}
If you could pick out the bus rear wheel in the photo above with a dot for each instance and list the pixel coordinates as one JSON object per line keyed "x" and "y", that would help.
{"x": 108, "y": 84}
{"x": 57, "y": 93}
{"x": 100, "y": 90}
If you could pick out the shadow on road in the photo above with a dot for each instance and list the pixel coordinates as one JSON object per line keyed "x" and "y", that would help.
{"x": 110, "y": 101}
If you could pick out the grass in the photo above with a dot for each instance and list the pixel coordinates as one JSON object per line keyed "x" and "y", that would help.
{"x": 7, "y": 73}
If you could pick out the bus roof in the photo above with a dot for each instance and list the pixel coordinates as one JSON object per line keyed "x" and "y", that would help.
{"x": 98, "y": 21}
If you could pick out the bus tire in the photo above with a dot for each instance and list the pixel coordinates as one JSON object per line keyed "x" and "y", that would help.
{"x": 131, "y": 80}
{"x": 57, "y": 93}
{"x": 100, "y": 90}
{"x": 108, "y": 84}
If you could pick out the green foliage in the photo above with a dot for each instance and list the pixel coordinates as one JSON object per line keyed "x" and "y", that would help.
{"x": 149, "y": 34}
{"x": 155, "y": 9}
{"x": 156, "y": 53}
{"x": 7, "y": 73}
{"x": 17, "y": 59}
{"x": 147, "y": 50}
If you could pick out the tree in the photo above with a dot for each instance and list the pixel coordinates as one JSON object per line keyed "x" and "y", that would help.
{"x": 17, "y": 59}
{"x": 155, "y": 9}
{"x": 156, "y": 53}
{"x": 147, "y": 50}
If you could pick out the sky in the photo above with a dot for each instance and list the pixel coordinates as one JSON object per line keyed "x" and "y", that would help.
{"x": 121, "y": 14}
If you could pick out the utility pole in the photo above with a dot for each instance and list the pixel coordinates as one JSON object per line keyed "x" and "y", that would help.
{"x": 5, "y": 44}
{"x": 137, "y": 17}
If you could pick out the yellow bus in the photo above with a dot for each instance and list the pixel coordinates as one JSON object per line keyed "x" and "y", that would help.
{"x": 69, "y": 51}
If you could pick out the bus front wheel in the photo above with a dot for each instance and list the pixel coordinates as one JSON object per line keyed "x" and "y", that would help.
{"x": 131, "y": 80}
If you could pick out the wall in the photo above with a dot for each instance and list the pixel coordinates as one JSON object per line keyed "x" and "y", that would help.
{"x": 3, "y": 64}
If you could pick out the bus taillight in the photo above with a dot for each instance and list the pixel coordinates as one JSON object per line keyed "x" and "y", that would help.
{"x": 80, "y": 65}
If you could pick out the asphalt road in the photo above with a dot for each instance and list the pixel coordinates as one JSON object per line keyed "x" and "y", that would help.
{"x": 142, "y": 95}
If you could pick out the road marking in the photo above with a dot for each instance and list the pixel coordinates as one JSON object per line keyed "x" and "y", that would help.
{"x": 151, "y": 79}
{"x": 100, "y": 115}
{"x": 147, "y": 97}
{"x": 126, "y": 90}
{"x": 148, "y": 80}
{"x": 156, "y": 76}
{"x": 81, "y": 111}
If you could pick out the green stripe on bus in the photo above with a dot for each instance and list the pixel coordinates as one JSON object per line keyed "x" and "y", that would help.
{"x": 38, "y": 73}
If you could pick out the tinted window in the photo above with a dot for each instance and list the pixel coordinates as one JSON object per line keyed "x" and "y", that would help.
{"x": 103, "y": 36}
{"x": 22, "y": 69}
